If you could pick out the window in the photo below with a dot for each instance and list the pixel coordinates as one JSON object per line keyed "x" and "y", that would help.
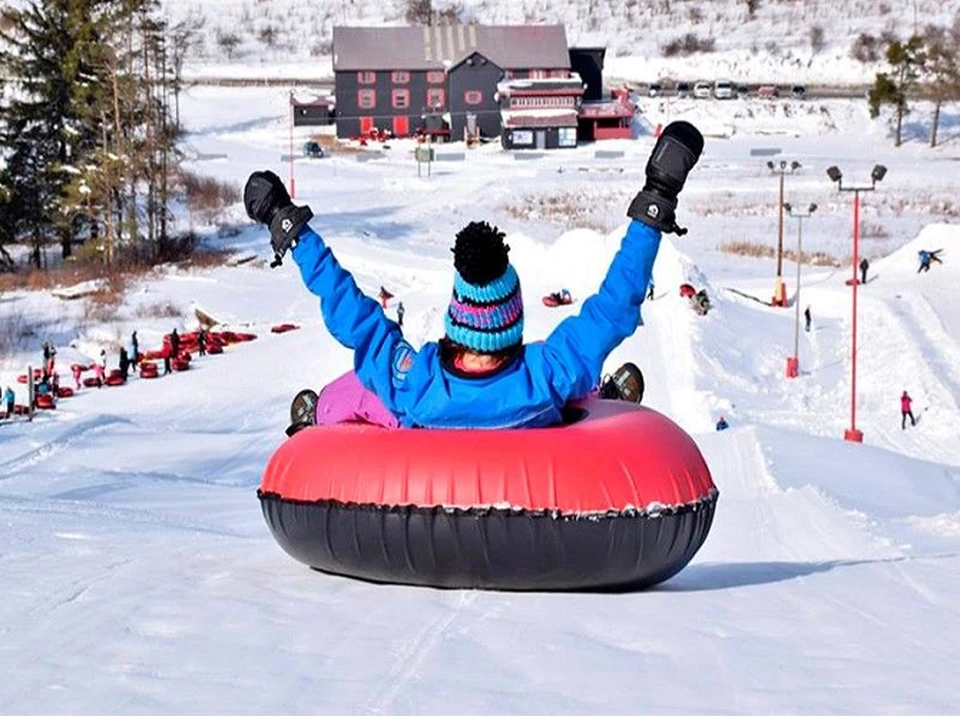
{"x": 436, "y": 78}
{"x": 401, "y": 98}
{"x": 366, "y": 78}
{"x": 473, "y": 97}
{"x": 538, "y": 74}
{"x": 522, "y": 137}
{"x": 435, "y": 97}
{"x": 400, "y": 78}
{"x": 366, "y": 99}
{"x": 568, "y": 136}
{"x": 559, "y": 73}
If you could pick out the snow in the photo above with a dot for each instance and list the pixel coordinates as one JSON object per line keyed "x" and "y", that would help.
{"x": 139, "y": 576}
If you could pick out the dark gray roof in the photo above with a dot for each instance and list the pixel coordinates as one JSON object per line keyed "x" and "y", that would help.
{"x": 442, "y": 46}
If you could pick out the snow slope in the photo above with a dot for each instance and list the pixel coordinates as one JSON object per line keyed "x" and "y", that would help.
{"x": 139, "y": 576}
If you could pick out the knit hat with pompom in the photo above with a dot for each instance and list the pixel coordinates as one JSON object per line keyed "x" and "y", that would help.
{"x": 486, "y": 309}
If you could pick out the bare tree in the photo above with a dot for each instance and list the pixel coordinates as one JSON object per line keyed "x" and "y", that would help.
{"x": 941, "y": 69}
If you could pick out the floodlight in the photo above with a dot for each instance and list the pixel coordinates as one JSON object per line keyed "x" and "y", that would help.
{"x": 794, "y": 165}
{"x": 878, "y": 173}
{"x": 786, "y": 205}
{"x": 834, "y": 173}
{"x": 770, "y": 165}
{"x": 812, "y": 208}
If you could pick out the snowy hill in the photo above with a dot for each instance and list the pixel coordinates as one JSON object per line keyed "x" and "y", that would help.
{"x": 293, "y": 37}
{"x": 139, "y": 575}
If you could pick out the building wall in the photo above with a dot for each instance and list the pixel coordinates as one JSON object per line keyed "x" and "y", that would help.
{"x": 482, "y": 76}
{"x": 588, "y": 63}
{"x": 352, "y": 119}
{"x": 539, "y": 138}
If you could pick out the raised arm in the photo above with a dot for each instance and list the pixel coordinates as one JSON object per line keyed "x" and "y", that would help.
{"x": 354, "y": 319}
{"x": 577, "y": 348}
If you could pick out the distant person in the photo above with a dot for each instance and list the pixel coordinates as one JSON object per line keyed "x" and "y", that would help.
{"x": 134, "y": 349}
{"x": 722, "y": 424}
{"x": 905, "y": 411}
{"x": 384, "y": 297}
{"x": 864, "y": 265}
{"x": 202, "y": 341}
{"x": 400, "y": 312}
{"x": 927, "y": 258}
{"x": 167, "y": 351}
{"x": 806, "y": 319}
{"x": 8, "y": 401}
{"x": 101, "y": 367}
{"x": 650, "y": 291}
{"x": 76, "y": 369}
{"x": 174, "y": 344}
{"x": 124, "y": 364}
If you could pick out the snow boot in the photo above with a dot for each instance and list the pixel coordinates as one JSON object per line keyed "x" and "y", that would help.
{"x": 303, "y": 411}
{"x": 625, "y": 384}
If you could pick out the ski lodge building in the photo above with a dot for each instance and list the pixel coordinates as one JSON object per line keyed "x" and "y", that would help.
{"x": 520, "y": 83}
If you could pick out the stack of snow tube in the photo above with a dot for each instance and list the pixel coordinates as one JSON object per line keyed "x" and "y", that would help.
{"x": 148, "y": 369}
{"x": 621, "y": 499}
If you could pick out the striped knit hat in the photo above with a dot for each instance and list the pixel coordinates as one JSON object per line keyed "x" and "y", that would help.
{"x": 486, "y": 309}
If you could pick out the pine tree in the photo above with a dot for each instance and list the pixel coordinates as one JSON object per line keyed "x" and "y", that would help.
{"x": 906, "y": 60}
{"x": 45, "y": 127}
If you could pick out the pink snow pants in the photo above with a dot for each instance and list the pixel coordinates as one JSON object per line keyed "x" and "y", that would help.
{"x": 345, "y": 400}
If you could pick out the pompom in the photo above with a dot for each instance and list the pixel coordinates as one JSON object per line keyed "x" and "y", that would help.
{"x": 479, "y": 254}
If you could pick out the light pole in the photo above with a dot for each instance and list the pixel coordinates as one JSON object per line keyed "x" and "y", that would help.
{"x": 293, "y": 186}
{"x": 879, "y": 171}
{"x": 780, "y": 168}
{"x": 793, "y": 364}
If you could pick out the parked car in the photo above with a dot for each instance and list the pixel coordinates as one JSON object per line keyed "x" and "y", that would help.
{"x": 798, "y": 92}
{"x": 702, "y": 89}
{"x": 683, "y": 89}
{"x": 743, "y": 91}
{"x": 723, "y": 89}
{"x": 654, "y": 89}
{"x": 313, "y": 149}
{"x": 768, "y": 92}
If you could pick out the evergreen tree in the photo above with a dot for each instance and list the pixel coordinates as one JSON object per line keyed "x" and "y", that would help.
{"x": 45, "y": 126}
{"x": 906, "y": 60}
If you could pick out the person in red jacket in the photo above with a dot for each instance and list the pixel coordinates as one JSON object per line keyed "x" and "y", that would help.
{"x": 905, "y": 411}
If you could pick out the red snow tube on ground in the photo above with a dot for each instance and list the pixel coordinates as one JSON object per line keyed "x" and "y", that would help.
{"x": 179, "y": 364}
{"x": 621, "y": 498}
{"x": 113, "y": 380}
{"x": 214, "y": 349}
{"x": 686, "y": 290}
{"x": 90, "y": 382}
{"x": 22, "y": 378}
{"x": 284, "y": 327}
{"x": 64, "y": 392}
{"x": 148, "y": 370}
{"x": 45, "y": 402}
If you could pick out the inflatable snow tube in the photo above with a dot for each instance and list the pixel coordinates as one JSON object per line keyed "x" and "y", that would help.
{"x": 45, "y": 402}
{"x": 621, "y": 498}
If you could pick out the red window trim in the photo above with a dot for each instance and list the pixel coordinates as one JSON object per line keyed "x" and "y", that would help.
{"x": 366, "y": 78}
{"x": 396, "y": 95}
{"x": 362, "y": 104}
{"x": 400, "y": 77}
{"x": 469, "y": 95}
{"x": 434, "y": 92}
{"x": 435, "y": 77}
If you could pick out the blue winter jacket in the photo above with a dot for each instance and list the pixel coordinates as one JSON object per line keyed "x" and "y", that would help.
{"x": 529, "y": 392}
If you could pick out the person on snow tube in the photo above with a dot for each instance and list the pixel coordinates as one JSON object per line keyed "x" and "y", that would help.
{"x": 480, "y": 374}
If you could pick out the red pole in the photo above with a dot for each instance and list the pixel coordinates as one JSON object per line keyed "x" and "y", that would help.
{"x": 853, "y": 434}
{"x": 293, "y": 188}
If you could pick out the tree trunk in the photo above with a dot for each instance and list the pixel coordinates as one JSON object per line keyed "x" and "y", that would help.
{"x": 899, "y": 124}
{"x": 936, "y": 122}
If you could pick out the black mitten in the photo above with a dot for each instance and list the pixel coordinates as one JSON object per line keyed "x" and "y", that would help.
{"x": 267, "y": 201}
{"x": 674, "y": 155}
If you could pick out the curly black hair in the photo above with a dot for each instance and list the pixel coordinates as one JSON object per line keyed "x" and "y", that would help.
{"x": 480, "y": 255}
